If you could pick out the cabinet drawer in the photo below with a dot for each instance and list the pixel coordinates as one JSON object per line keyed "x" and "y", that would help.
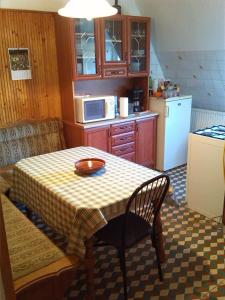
{"x": 123, "y": 149}
{"x": 122, "y": 128}
{"x": 129, "y": 156}
{"x": 124, "y": 138}
{"x": 115, "y": 72}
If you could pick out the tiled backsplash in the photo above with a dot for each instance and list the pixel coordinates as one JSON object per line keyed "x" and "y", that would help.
{"x": 199, "y": 73}
{"x": 156, "y": 70}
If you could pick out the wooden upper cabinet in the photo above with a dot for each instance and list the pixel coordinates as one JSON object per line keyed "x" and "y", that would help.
{"x": 111, "y": 47}
{"x": 138, "y": 31}
{"x": 86, "y": 49}
{"x": 113, "y": 33}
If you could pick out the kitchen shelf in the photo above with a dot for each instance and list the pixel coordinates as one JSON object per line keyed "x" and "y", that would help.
{"x": 139, "y": 56}
{"x": 85, "y": 33}
{"x": 138, "y": 36}
{"x": 113, "y": 41}
{"x": 86, "y": 57}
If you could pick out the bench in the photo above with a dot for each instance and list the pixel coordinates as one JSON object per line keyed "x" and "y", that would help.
{"x": 24, "y": 140}
{"x": 32, "y": 265}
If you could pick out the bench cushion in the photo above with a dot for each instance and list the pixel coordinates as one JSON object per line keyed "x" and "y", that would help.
{"x": 30, "y": 139}
{"x": 29, "y": 249}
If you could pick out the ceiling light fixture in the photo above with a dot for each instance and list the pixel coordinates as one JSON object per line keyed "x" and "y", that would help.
{"x": 88, "y": 9}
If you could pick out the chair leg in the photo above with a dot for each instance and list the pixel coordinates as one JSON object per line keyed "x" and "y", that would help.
{"x": 122, "y": 258}
{"x": 158, "y": 263}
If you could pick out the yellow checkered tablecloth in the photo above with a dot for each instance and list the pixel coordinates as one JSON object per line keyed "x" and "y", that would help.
{"x": 74, "y": 205}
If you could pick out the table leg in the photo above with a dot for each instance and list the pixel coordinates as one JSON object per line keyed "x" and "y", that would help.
{"x": 89, "y": 269}
{"x": 159, "y": 239}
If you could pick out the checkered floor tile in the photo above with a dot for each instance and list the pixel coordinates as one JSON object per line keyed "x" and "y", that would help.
{"x": 195, "y": 265}
{"x": 178, "y": 181}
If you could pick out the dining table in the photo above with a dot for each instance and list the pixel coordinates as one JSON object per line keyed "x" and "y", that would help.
{"x": 77, "y": 205}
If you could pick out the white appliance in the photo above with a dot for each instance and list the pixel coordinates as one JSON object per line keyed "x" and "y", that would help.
{"x": 205, "y": 175}
{"x": 91, "y": 109}
{"x": 173, "y": 127}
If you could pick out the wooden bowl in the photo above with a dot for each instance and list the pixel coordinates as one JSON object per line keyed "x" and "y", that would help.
{"x": 89, "y": 165}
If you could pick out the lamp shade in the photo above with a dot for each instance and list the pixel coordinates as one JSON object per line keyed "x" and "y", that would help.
{"x": 88, "y": 9}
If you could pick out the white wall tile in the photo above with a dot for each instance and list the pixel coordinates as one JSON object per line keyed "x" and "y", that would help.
{"x": 199, "y": 73}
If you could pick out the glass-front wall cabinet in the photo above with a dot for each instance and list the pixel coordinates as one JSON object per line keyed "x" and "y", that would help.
{"x": 114, "y": 40}
{"x": 87, "y": 61}
{"x": 139, "y": 46}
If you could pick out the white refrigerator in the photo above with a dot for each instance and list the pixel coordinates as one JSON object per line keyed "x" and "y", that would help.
{"x": 173, "y": 127}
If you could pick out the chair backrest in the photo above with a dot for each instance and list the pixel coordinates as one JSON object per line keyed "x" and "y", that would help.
{"x": 147, "y": 199}
{"x": 5, "y": 266}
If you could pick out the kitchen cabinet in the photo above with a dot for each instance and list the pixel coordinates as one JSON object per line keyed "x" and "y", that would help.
{"x": 146, "y": 142}
{"x": 138, "y": 32}
{"x": 97, "y": 137}
{"x": 123, "y": 140}
{"x": 133, "y": 140}
{"x": 87, "y": 52}
{"x": 106, "y": 56}
{"x": 114, "y": 46}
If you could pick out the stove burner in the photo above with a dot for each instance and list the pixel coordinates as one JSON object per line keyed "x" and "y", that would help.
{"x": 217, "y": 132}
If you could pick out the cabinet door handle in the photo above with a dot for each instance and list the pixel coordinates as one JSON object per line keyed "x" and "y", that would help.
{"x": 167, "y": 112}
{"x": 124, "y": 149}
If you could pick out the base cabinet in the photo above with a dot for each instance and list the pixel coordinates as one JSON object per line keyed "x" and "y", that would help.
{"x": 146, "y": 142}
{"x": 132, "y": 140}
{"x": 97, "y": 137}
{"x": 129, "y": 156}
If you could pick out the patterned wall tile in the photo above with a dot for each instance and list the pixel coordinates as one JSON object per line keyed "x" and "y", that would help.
{"x": 200, "y": 74}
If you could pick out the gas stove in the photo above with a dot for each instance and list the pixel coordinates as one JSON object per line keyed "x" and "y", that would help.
{"x": 217, "y": 132}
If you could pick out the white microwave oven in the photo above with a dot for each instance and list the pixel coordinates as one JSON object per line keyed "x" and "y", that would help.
{"x": 91, "y": 109}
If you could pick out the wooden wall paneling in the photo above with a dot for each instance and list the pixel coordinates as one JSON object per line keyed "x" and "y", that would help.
{"x": 39, "y": 97}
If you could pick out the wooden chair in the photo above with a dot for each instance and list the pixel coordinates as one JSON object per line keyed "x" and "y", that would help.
{"x": 32, "y": 266}
{"x": 138, "y": 222}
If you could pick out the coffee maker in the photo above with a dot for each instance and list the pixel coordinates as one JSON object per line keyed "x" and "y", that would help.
{"x": 136, "y": 100}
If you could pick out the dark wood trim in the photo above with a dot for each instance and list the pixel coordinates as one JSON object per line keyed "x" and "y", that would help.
{"x": 65, "y": 56}
{"x": 223, "y": 217}
{"x": 28, "y": 11}
{"x": 5, "y": 267}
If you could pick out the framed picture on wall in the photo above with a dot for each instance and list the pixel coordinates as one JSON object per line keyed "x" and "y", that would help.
{"x": 19, "y": 63}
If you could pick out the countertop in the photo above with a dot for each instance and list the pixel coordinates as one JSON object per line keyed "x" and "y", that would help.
{"x": 131, "y": 117}
{"x": 182, "y": 97}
